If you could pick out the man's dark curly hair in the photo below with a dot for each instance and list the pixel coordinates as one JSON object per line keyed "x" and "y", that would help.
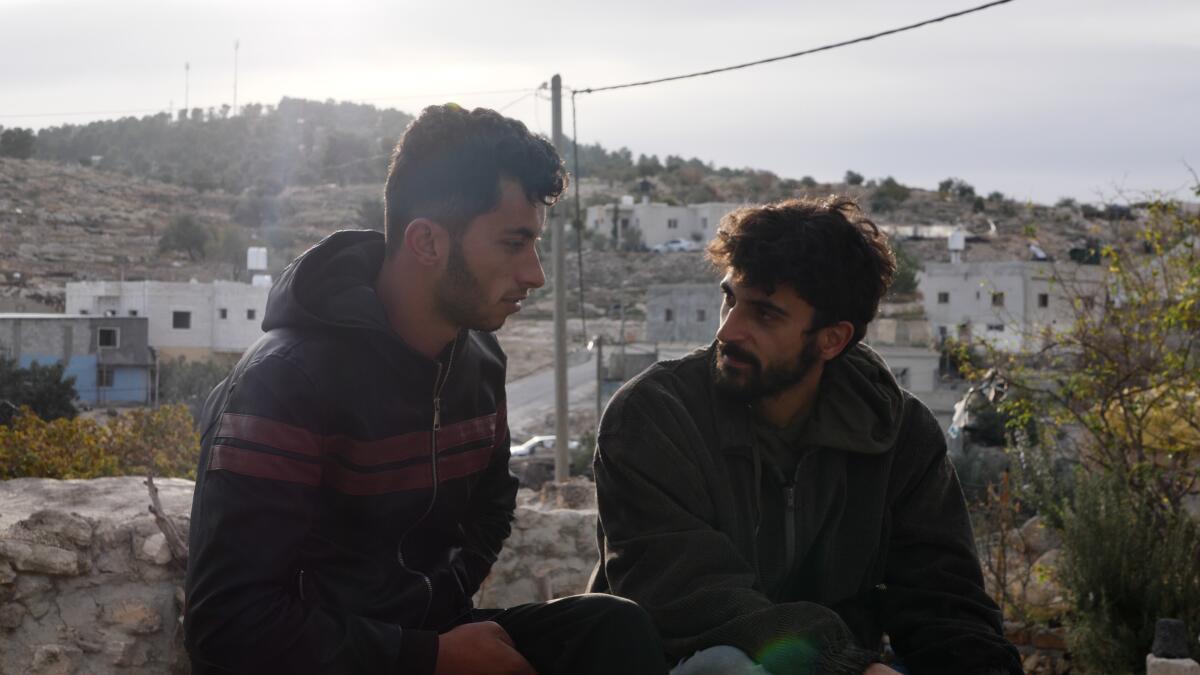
{"x": 834, "y": 257}
{"x": 448, "y": 165}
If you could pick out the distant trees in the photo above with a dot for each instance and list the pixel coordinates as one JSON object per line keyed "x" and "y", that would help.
{"x": 808, "y": 182}
{"x": 185, "y": 234}
{"x": 853, "y": 178}
{"x": 888, "y": 195}
{"x": 957, "y": 188}
{"x": 17, "y": 143}
{"x": 43, "y": 389}
{"x": 298, "y": 142}
{"x": 907, "y": 267}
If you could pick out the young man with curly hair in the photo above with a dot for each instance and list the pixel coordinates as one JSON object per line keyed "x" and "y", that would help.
{"x": 353, "y": 489}
{"x": 776, "y": 501}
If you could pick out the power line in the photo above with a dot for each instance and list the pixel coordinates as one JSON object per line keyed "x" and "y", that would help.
{"x": 814, "y": 50}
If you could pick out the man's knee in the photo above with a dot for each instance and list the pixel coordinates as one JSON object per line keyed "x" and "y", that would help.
{"x": 718, "y": 660}
{"x": 619, "y": 612}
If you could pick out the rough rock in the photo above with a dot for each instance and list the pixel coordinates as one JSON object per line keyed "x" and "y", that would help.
{"x": 1160, "y": 666}
{"x": 1038, "y": 537}
{"x": 30, "y": 557}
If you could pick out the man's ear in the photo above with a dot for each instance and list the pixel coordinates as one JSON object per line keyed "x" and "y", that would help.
{"x": 427, "y": 241}
{"x": 832, "y": 340}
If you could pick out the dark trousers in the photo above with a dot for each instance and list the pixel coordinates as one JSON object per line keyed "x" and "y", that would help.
{"x": 592, "y": 634}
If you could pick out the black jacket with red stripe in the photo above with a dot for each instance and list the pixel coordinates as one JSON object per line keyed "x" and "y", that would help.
{"x": 352, "y": 494}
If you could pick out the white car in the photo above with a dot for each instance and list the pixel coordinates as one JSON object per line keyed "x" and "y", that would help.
{"x": 539, "y": 446}
{"x": 673, "y": 245}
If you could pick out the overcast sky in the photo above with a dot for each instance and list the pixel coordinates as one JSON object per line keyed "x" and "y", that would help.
{"x": 1036, "y": 98}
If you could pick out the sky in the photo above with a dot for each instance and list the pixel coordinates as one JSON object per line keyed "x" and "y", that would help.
{"x": 1039, "y": 99}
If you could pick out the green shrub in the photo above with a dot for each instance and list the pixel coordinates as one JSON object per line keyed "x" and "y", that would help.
{"x": 1128, "y": 562}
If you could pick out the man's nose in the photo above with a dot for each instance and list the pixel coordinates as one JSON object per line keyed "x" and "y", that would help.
{"x": 530, "y": 274}
{"x": 732, "y": 328}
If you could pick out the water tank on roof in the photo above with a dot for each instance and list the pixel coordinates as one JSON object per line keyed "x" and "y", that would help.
{"x": 957, "y": 241}
{"x": 256, "y": 258}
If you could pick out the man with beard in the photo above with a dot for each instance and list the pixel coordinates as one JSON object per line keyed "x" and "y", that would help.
{"x": 353, "y": 489}
{"x": 777, "y": 502}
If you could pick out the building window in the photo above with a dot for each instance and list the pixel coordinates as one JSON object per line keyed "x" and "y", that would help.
{"x": 998, "y": 299}
{"x": 108, "y": 338}
{"x": 701, "y": 315}
{"x": 104, "y": 377}
{"x": 672, "y": 223}
{"x": 251, "y": 313}
{"x": 624, "y": 223}
{"x": 222, "y": 313}
{"x": 943, "y": 298}
{"x": 995, "y": 327}
{"x": 83, "y": 311}
{"x": 669, "y": 316}
{"x": 133, "y": 312}
{"x": 110, "y": 312}
{"x": 1043, "y": 299}
{"x": 181, "y": 320}
{"x": 704, "y": 223}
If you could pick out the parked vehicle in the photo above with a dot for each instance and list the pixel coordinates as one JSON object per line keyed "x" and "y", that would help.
{"x": 674, "y": 245}
{"x": 539, "y": 446}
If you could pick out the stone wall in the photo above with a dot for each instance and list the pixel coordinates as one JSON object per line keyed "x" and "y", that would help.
{"x": 88, "y": 584}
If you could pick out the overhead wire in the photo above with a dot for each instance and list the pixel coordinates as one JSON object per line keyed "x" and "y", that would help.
{"x": 804, "y": 52}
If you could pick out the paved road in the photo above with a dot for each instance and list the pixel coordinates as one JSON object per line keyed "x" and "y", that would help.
{"x": 532, "y": 397}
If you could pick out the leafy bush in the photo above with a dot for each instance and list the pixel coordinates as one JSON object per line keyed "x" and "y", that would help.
{"x": 42, "y": 388}
{"x": 1128, "y": 562}
{"x": 160, "y": 441}
{"x": 189, "y": 382}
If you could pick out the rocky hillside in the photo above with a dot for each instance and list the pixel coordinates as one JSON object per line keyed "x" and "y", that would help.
{"x": 63, "y": 221}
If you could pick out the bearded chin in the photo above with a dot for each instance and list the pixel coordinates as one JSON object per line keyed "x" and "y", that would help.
{"x": 766, "y": 382}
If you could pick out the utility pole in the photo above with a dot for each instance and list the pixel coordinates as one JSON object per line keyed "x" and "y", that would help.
{"x": 562, "y": 465}
{"x": 235, "y": 74}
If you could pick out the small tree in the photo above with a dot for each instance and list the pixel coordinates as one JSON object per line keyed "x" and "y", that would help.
{"x": 907, "y": 268}
{"x": 889, "y": 195}
{"x": 187, "y": 235}
{"x": 42, "y": 389}
{"x": 1118, "y": 393}
{"x": 17, "y": 143}
{"x": 853, "y": 178}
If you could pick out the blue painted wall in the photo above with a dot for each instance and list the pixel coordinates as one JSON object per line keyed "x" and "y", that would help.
{"x": 130, "y": 385}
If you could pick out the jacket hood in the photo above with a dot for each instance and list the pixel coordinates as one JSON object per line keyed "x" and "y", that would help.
{"x": 859, "y": 405}
{"x": 331, "y": 284}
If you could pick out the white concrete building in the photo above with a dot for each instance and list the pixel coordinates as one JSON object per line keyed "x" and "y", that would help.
{"x": 1008, "y": 304}
{"x": 659, "y": 222}
{"x": 193, "y": 320}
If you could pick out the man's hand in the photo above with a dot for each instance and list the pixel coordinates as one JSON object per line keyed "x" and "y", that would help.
{"x": 879, "y": 669}
{"x": 479, "y": 649}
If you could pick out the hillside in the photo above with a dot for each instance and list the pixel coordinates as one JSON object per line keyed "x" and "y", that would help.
{"x": 285, "y": 176}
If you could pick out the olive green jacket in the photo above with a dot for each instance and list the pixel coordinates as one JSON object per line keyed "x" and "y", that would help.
{"x": 803, "y": 573}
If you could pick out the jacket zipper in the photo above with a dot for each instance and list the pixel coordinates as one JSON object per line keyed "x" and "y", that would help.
{"x": 789, "y": 526}
{"x": 439, "y": 381}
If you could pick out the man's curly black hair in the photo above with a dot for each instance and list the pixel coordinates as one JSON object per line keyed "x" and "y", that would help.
{"x": 834, "y": 257}
{"x": 448, "y": 165}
